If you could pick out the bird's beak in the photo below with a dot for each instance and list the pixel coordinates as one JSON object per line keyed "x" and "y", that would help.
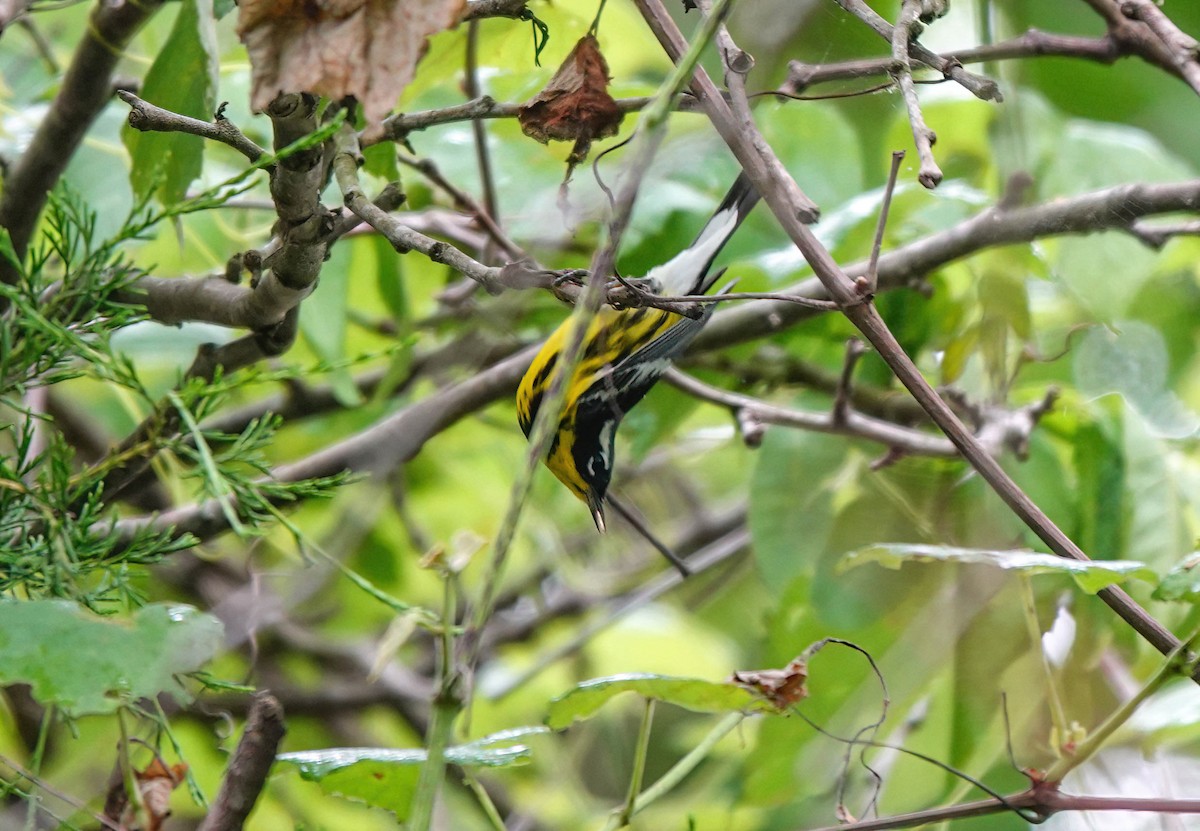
{"x": 597, "y": 506}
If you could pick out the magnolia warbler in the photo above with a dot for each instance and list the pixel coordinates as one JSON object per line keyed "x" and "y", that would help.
{"x": 625, "y": 353}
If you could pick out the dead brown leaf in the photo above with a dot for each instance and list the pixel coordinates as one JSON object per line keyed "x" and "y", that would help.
{"x": 365, "y": 48}
{"x": 782, "y": 687}
{"x": 155, "y": 784}
{"x": 575, "y": 105}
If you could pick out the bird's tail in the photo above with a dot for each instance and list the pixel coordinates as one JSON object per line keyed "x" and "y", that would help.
{"x": 687, "y": 272}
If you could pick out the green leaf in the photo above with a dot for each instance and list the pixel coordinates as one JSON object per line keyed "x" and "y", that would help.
{"x": 324, "y": 317}
{"x": 958, "y": 352}
{"x": 694, "y": 694}
{"x": 1182, "y": 582}
{"x": 181, "y": 79}
{"x": 88, "y": 664}
{"x": 1003, "y": 294}
{"x": 387, "y": 778}
{"x": 1105, "y": 271}
{"x": 795, "y": 132}
{"x": 380, "y": 160}
{"x": 791, "y": 502}
{"x": 1158, "y": 489}
{"x": 1100, "y": 494}
{"x": 1133, "y": 362}
{"x": 389, "y": 276}
{"x": 1091, "y": 577}
{"x": 7, "y": 251}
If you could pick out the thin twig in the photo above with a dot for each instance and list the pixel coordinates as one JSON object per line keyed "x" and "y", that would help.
{"x": 345, "y": 168}
{"x": 851, "y": 424}
{"x": 979, "y": 86}
{"x": 872, "y": 276}
{"x": 757, "y": 158}
{"x": 1156, "y": 235}
{"x": 464, "y": 201}
{"x": 1031, "y": 44}
{"x": 40, "y": 42}
{"x": 147, "y": 117}
{"x": 479, "y": 132}
{"x": 906, "y": 30}
{"x": 842, "y": 395}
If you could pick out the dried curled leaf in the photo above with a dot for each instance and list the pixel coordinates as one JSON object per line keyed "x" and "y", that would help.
{"x": 575, "y": 105}
{"x": 365, "y": 48}
{"x": 782, "y": 687}
{"x": 154, "y": 785}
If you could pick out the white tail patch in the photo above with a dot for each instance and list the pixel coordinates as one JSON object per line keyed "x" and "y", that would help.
{"x": 682, "y": 274}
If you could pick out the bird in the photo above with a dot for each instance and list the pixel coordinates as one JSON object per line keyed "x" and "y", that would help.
{"x": 626, "y": 352}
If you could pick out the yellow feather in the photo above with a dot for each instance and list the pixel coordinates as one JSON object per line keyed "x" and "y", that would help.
{"x": 612, "y": 336}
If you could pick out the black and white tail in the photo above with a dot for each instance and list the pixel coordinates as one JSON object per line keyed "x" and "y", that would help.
{"x": 687, "y": 272}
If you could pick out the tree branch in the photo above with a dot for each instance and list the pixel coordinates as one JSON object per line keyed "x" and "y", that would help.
{"x": 175, "y": 300}
{"x": 1183, "y": 49}
{"x": 85, "y": 90}
{"x": 247, "y": 772}
{"x": 376, "y": 450}
{"x": 851, "y": 423}
{"x": 146, "y": 117}
{"x": 1044, "y": 799}
{"x": 1113, "y": 208}
{"x": 478, "y": 9}
{"x": 1033, "y": 43}
{"x": 11, "y": 10}
{"x": 905, "y": 33}
{"x": 979, "y": 86}
{"x": 781, "y": 198}
{"x": 410, "y": 428}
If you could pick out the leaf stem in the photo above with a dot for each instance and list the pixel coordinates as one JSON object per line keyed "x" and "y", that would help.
{"x": 447, "y": 705}
{"x": 680, "y": 769}
{"x": 484, "y": 799}
{"x": 35, "y": 765}
{"x": 1058, "y": 715}
{"x": 641, "y": 750}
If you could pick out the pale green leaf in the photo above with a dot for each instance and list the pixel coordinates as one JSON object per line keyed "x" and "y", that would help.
{"x": 84, "y": 664}
{"x": 182, "y": 79}
{"x": 694, "y": 694}
{"x": 791, "y": 502}
{"x": 387, "y": 777}
{"x": 1160, "y": 529}
{"x": 1131, "y": 360}
{"x": 380, "y": 160}
{"x": 7, "y": 251}
{"x": 1091, "y": 577}
{"x": 324, "y": 316}
{"x": 1182, "y": 582}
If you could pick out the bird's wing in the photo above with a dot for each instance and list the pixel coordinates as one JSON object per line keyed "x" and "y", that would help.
{"x": 630, "y": 378}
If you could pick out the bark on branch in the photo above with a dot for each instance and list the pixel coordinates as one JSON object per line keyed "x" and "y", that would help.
{"x": 247, "y": 772}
